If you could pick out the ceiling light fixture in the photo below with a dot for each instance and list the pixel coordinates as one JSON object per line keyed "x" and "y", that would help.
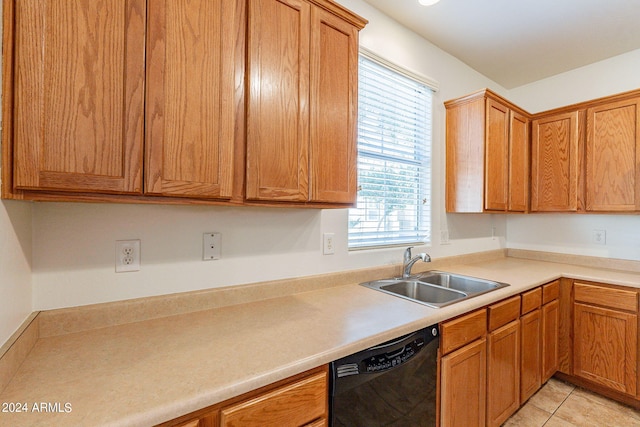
{"x": 428, "y": 2}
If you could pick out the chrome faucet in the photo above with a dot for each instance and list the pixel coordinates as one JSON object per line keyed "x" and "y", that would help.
{"x": 408, "y": 261}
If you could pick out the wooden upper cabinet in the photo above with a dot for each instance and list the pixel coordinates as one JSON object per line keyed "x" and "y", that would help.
{"x": 518, "y": 163}
{"x": 278, "y": 100}
{"x": 487, "y": 155}
{"x": 191, "y": 57}
{"x": 612, "y": 157}
{"x": 333, "y": 108}
{"x": 496, "y": 156}
{"x": 555, "y": 162}
{"x": 108, "y": 100}
{"x": 465, "y": 156}
{"x": 301, "y": 108}
{"x": 78, "y": 95}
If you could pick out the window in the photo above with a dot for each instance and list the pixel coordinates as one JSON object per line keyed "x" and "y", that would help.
{"x": 394, "y": 158}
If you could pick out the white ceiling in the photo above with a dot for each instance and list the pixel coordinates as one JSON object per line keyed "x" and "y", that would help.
{"x": 515, "y": 42}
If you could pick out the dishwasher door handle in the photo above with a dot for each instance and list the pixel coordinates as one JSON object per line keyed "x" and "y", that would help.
{"x": 397, "y": 353}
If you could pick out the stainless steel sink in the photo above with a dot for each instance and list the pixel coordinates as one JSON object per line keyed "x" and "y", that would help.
{"x": 435, "y": 288}
{"x": 470, "y": 285}
{"x": 423, "y": 292}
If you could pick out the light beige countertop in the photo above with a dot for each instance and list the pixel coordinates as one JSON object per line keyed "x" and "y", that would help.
{"x": 146, "y": 372}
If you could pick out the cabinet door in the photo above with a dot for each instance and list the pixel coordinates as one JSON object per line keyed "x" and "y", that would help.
{"x": 554, "y": 163}
{"x": 518, "y": 162}
{"x": 296, "y": 404}
{"x": 333, "y": 108}
{"x": 496, "y": 156}
{"x": 503, "y": 373}
{"x": 190, "y": 98}
{"x": 550, "y": 332}
{"x": 464, "y": 386}
{"x": 278, "y": 100}
{"x": 612, "y": 180}
{"x": 605, "y": 347}
{"x": 465, "y": 156}
{"x": 78, "y": 95}
{"x": 530, "y": 359}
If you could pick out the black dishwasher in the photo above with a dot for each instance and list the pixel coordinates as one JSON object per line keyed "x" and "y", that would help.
{"x": 391, "y": 384}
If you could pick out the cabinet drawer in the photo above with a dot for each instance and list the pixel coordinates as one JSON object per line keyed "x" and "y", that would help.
{"x": 463, "y": 330}
{"x": 608, "y": 297}
{"x": 550, "y": 291}
{"x": 298, "y": 404}
{"x": 531, "y": 300}
{"x": 504, "y": 312}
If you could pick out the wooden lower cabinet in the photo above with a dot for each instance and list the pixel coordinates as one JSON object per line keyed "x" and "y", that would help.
{"x": 503, "y": 368}
{"x": 531, "y": 358}
{"x": 463, "y": 370}
{"x": 605, "y": 344}
{"x": 605, "y": 347}
{"x": 550, "y": 329}
{"x": 296, "y": 404}
{"x": 210, "y": 420}
{"x": 301, "y": 400}
{"x": 464, "y": 385}
{"x": 503, "y": 373}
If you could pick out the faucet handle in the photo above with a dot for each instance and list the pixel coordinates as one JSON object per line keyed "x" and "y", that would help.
{"x": 407, "y": 254}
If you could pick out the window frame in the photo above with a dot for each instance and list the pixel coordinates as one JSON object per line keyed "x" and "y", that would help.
{"x": 433, "y": 86}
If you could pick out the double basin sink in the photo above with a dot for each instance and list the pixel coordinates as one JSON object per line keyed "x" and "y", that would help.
{"x": 435, "y": 288}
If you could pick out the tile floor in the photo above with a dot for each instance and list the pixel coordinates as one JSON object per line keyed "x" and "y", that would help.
{"x": 559, "y": 404}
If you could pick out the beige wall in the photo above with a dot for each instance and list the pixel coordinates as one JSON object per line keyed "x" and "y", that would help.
{"x": 15, "y": 266}
{"x": 573, "y": 233}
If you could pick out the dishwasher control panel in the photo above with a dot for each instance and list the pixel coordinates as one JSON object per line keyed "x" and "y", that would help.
{"x": 385, "y": 356}
{"x": 382, "y": 362}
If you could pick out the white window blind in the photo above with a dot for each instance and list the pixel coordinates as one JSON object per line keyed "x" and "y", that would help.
{"x": 394, "y": 159}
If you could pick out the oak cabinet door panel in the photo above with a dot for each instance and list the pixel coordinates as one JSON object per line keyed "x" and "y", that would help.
{"x": 531, "y": 358}
{"x": 333, "y": 109}
{"x": 78, "y": 95}
{"x": 503, "y": 373}
{"x": 555, "y": 163}
{"x": 190, "y": 98}
{"x": 612, "y": 180}
{"x": 550, "y": 333}
{"x": 605, "y": 347}
{"x": 518, "y": 163}
{"x": 278, "y": 104}
{"x": 464, "y": 386}
{"x": 496, "y": 156}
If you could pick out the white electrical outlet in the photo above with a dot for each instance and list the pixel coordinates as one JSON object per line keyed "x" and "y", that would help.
{"x": 444, "y": 237}
{"x": 328, "y": 247}
{"x": 127, "y": 255}
{"x": 211, "y": 246}
{"x": 599, "y": 237}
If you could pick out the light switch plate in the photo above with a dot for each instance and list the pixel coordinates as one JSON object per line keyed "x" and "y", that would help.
{"x": 599, "y": 237}
{"x": 211, "y": 246}
{"x": 328, "y": 247}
